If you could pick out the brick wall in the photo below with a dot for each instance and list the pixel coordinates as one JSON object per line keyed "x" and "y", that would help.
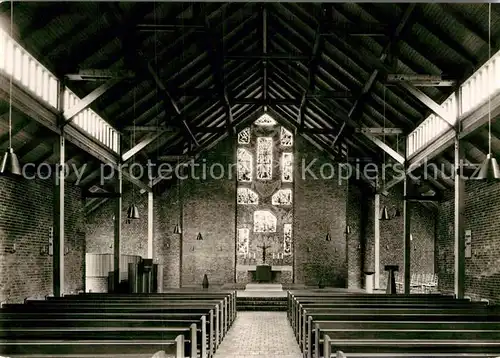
{"x": 356, "y": 219}
{"x": 482, "y": 273}
{"x": 320, "y": 208}
{"x": 100, "y": 227}
{"x": 209, "y": 208}
{"x": 167, "y": 245}
{"x": 392, "y": 240}
{"x": 26, "y": 214}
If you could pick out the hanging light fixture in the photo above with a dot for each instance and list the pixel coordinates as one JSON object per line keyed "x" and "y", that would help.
{"x": 328, "y": 237}
{"x": 489, "y": 168}
{"x": 10, "y": 162}
{"x": 177, "y": 228}
{"x": 199, "y": 237}
{"x": 133, "y": 211}
{"x": 347, "y": 229}
{"x": 384, "y": 213}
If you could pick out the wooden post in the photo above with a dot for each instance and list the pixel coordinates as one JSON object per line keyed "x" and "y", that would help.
{"x": 376, "y": 221}
{"x": 179, "y": 350}
{"x": 406, "y": 230}
{"x": 407, "y": 240}
{"x": 327, "y": 347}
{"x": 58, "y": 220}
{"x": 194, "y": 343}
{"x": 459, "y": 223}
{"x": 150, "y": 225}
{"x": 118, "y": 228}
{"x": 204, "y": 337}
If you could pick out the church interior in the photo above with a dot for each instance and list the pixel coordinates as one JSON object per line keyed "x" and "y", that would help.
{"x": 249, "y": 179}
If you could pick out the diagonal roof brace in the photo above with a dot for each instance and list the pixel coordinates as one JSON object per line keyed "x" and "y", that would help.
{"x": 86, "y": 101}
{"x": 394, "y": 39}
{"x": 312, "y": 68}
{"x": 395, "y": 155}
{"x": 148, "y": 139}
{"x": 217, "y": 63}
{"x": 433, "y": 106}
{"x": 162, "y": 86}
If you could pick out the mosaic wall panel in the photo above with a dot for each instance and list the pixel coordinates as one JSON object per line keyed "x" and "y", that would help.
{"x": 269, "y": 219}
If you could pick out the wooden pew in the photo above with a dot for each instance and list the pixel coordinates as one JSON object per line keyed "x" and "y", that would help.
{"x": 387, "y": 314}
{"x": 300, "y": 294}
{"x": 229, "y": 313}
{"x": 232, "y": 295}
{"x": 296, "y": 301}
{"x": 205, "y": 330}
{"x": 293, "y": 300}
{"x": 411, "y": 348}
{"x": 194, "y": 295}
{"x": 222, "y": 310}
{"x": 375, "y": 308}
{"x": 322, "y": 328}
{"x": 117, "y": 312}
{"x": 93, "y": 348}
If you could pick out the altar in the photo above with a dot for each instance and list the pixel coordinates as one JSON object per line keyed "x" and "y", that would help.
{"x": 264, "y": 273}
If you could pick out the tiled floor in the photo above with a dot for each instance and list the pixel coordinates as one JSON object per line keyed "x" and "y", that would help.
{"x": 259, "y": 334}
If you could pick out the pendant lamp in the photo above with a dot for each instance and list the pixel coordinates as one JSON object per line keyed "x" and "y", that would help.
{"x": 199, "y": 237}
{"x": 384, "y": 213}
{"x": 347, "y": 229}
{"x": 177, "y": 228}
{"x": 133, "y": 212}
{"x": 10, "y": 162}
{"x": 328, "y": 237}
{"x": 489, "y": 168}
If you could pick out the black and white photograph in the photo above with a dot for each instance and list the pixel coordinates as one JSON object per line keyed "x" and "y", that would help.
{"x": 235, "y": 179}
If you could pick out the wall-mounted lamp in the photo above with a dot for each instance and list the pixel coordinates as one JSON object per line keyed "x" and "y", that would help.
{"x": 177, "y": 229}
{"x": 66, "y": 250}
{"x": 348, "y": 229}
{"x": 199, "y": 237}
{"x": 11, "y": 250}
{"x": 328, "y": 237}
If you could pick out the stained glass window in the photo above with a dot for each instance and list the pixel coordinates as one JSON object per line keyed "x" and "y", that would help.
{"x": 245, "y": 163}
{"x": 282, "y": 197}
{"x": 264, "y": 221}
{"x": 286, "y": 137}
{"x": 243, "y": 238}
{"x": 244, "y": 136}
{"x": 287, "y": 167}
{"x": 264, "y": 158}
{"x": 247, "y": 196}
{"x": 265, "y": 120}
{"x": 287, "y": 239}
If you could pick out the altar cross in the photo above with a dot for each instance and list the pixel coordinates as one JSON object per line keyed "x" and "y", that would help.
{"x": 264, "y": 248}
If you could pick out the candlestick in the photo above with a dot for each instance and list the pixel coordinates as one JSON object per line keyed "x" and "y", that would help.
{"x": 254, "y": 255}
{"x": 274, "y": 256}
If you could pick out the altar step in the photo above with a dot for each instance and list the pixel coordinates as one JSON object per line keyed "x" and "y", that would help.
{"x": 261, "y": 303}
{"x": 264, "y": 287}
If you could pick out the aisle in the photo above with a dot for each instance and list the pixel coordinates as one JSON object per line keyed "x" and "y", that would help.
{"x": 259, "y": 334}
